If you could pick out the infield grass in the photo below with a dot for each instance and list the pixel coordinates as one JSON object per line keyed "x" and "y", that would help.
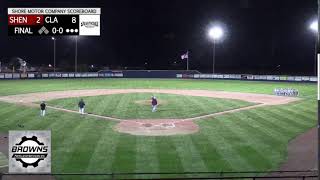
{"x": 138, "y": 105}
{"x": 250, "y": 140}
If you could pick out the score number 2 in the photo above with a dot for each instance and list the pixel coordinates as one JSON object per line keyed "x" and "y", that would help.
{"x": 38, "y": 20}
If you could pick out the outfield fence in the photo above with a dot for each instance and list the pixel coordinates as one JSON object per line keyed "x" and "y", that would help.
{"x": 250, "y": 77}
{"x": 168, "y": 176}
{"x": 156, "y": 74}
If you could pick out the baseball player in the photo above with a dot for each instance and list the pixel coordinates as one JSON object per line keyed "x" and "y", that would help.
{"x": 154, "y": 103}
{"x": 276, "y": 91}
{"x": 81, "y": 105}
{"x": 42, "y": 108}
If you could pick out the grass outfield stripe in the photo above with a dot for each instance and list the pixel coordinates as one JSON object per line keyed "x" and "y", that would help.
{"x": 6, "y": 108}
{"x": 213, "y": 134}
{"x": 209, "y": 154}
{"x": 256, "y": 156}
{"x": 302, "y": 107}
{"x": 125, "y": 155}
{"x": 73, "y": 138}
{"x": 291, "y": 123}
{"x": 304, "y": 110}
{"x": 235, "y": 128}
{"x": 270, "y": 125}
{"x": 312, "y": 113}
{"x": 254, "y": 142}
{"x": 38, "y": 122}
{"x": 104, "y": 152}
{"x": 306, "y": 104}
{"x": 189, "y": 154}
{"x": 168, "y": 158}
{"x": 308, "y": 120}
{"x": 254, "y": 129}
{"x": 146, "y": 156}
{"x": 60, "y": 126}
{"x": 285, "y": 126}
{"x": 257, "y": 147}
{"x": 10, "y": 111}
{"x": 87, "y": 141}
{"x": 21, "y": 116}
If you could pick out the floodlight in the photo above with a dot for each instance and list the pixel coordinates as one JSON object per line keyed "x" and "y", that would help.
{"x": 216, "y": 32}
{"x": 314, "y": 26}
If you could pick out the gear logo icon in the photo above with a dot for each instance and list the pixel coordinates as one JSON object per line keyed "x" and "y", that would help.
{"x": 29, "y": 151}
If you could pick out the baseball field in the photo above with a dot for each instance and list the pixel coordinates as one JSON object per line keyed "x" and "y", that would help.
{"x": 200, "y": 125}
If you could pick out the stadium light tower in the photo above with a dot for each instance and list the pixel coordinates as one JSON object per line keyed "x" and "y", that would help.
{"x": 314, "y": 28}
{"x": 215, "y": 33}
{"x": 76, "y": 56}
{"x": 54, "y": 54}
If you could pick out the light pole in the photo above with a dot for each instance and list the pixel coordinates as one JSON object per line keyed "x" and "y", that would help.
{"x": 76, "y": 56}
{"x": 215, "y": 33}
{"x": 314, "y": 27}
{"x": 54, "y": 54}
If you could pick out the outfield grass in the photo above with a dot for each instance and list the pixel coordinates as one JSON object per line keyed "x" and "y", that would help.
{"x": 250, "y": 140}
{"x": 263, "y": 87}
{"x": 137, "y": 105}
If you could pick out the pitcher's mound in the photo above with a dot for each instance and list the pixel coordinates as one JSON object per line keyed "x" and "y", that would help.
{"x": 161, "y": 127}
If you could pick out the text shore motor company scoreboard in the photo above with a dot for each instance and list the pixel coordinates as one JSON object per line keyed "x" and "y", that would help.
{"x": 54, "y": 21}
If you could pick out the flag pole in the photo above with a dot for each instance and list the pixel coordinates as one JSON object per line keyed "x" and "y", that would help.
{"x": 187, "y": 61}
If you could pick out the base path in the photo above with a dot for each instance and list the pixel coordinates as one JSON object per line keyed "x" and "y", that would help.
{"x": 161, "y": 127}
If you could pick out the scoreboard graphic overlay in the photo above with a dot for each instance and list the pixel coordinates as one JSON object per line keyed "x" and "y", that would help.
{"x": 54, "y": 21}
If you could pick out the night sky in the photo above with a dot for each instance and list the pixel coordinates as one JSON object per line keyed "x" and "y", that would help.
{"x": 260, "y": 35}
